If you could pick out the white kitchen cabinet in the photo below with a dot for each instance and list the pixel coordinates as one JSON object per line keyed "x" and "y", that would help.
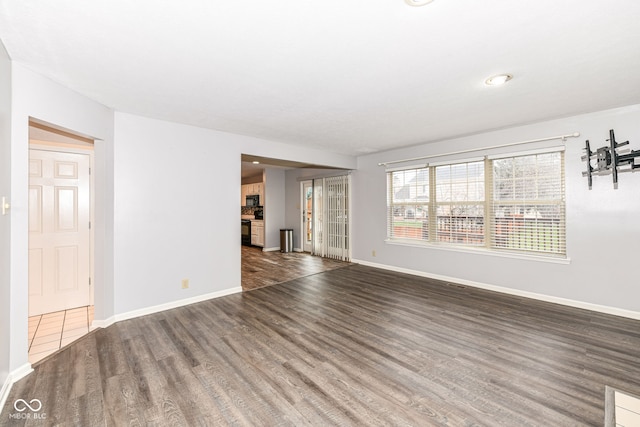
{"x": 257, "y": 232}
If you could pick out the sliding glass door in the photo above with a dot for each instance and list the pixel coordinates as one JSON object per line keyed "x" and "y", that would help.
{"x": 307, "y": 216}
{"x": 331, "y": 217}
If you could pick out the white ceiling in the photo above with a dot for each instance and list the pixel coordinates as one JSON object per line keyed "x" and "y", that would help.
{"x": 350, "y": 76}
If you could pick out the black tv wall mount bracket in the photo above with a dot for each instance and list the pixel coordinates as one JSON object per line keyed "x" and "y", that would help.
{"x": 610, "y": 159}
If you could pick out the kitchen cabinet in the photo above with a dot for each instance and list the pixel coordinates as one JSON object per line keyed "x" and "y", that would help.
{"x": 250, "y": 190}
{"x": 243, "y": 196}
{"x": 257, "y": 232}
{"x": 257, "y": 188}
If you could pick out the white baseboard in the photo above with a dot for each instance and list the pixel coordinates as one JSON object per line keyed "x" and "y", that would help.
{"x": 162, "y": 307}
{"x": 95, "y": 324}
{"x": 541, "y": 297}
{"x": 4, "y": 392}
{"x": 13, "y": 376}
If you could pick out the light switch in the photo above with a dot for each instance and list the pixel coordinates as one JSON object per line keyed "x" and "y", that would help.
{"x": 5, "y": 205}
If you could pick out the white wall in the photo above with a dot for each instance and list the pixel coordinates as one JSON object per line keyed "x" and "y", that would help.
{"x": 603, "y": 231}
{"x": 176, "y": 191}
{"x": 176, "y": 208}
{"x": 274, "y": 203}
{"x": 40, "y": 98}
{"x": 5, "y": 221}
{"x": 103, "y": 228}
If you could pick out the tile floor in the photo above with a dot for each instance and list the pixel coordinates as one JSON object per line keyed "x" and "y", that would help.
{"x": 52, "y": 331}
{"x": 627, "y": 410}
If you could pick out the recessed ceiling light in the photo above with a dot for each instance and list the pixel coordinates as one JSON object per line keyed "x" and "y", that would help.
{"x": 417, "y": 2}
{"x": 498, "y": 80}
{"x": 255, "y": 162}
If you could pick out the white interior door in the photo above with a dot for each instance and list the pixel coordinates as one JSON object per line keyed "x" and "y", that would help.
{"x": 307, "y": 216}
{"x": 59, "y": 231}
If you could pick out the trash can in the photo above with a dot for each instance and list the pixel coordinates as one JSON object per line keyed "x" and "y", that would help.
{"x": 286, "y": 240}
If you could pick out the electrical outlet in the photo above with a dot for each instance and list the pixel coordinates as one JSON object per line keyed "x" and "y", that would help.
{"x": 185, "y": 283}
{"x": 373, "y": 252}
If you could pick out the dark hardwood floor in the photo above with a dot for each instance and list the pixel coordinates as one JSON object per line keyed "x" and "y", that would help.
{"x": 351, "y": 346}
{"x": 261, "y": 269}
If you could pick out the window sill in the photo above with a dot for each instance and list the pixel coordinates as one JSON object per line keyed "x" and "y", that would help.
{"x": 480, "y": 251}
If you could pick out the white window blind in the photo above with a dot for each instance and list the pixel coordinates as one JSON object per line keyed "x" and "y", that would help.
{"x": 511, "y": 203}
{"x": 460, "y": 203}
{"x": 408, "y": 204}
{"x": 528, "y": 208}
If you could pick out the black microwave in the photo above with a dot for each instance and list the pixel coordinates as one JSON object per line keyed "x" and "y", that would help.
{"x": 253, "y": 201}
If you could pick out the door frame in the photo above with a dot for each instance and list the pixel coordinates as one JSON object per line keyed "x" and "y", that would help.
{"x": 60, "y": 147}
{"x": 303, "y": 218}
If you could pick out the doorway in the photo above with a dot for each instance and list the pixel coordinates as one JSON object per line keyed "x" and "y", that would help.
{"x": 60, "y": 237}
{"x": 59, "y": 231}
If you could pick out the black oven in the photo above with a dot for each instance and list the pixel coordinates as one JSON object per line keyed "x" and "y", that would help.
{"x": 246, "y": 232}
{"x": 253, "y": 201}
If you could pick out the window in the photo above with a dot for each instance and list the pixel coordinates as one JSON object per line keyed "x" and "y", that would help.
{"x": 408, "y": 204}
{"x": 459, "y": 203}
{"x": 513, "y": 203}
{"x": 528, "y": 203}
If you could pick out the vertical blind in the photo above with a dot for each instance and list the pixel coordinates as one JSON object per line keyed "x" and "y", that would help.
{"x": 331, "y": 217}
